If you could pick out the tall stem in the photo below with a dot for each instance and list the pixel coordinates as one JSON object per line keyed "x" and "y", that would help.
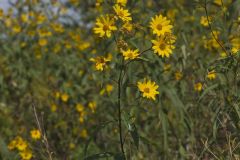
{"x": 119, "y": 109}
{"x": 119, "y": 100}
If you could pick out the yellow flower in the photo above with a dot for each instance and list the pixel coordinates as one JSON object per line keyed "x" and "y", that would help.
{"x": 38, "y": 54}
{"x": 123, "y": 14}
{"x": 79, "y": 107}
{"x": 44, "y": 33}
{"x": 12, "y": 144}
{"x": 122, "y": 2}
{"x": 127, "y": 26}
{"x": 20, "y": 144}
{"x": 74, "y": 2}
{"x": 57, "y": 95}
{"x": 167, "y": 67}
{"x": 53, "y": 107}
{"x": 35, "y": 134}
{"x": 218, "y": 2}
{"x": 104, "y": 26}
{"x": 83, "y": 133}
{"x": 83, "y": 45}
{"x": 8, "y": 22}
{"x": 100, "y": 62}
{"x": 148, "y": 88}
{"x": 204, "y": 21}
{"x": 92, "y": 105}
{"x": 211, "y": 75}
{"x": 26, "y": 154}
{"x": 160, "y": 25}
{"x": 42, "y": 42}
{"x": 178, "y": 75}
{"x": 163, "y": 46}
{"x": 235, "y": 42}
{"x": 98, "y": 3}
{"x": 109, "y": 88}
{"x": 234, "y": 50}
{"x": 16, "y": 29}
{"x": 1, "y": 13}
{"x": 198, "y": 86}
{"x": 81, "y": 119}
{"x": 130, "y": 54}
{"x": 64, "y": 97}
{"x": 58, "y": 27}
{"x": 41, "y": 18}
{"x": 72, "y": 145}
{"x": 223, "y": 54}
{"x": 24, "y": 18}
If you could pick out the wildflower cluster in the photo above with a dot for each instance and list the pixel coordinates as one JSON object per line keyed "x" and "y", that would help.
{"x": 161, "y": 27}
{"x": 22, "y": 146}
{"x": 119, "y": 79}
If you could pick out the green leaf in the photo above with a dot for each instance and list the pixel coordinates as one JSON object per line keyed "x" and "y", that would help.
{"x": 134, "y": 134}
{"x": 207, "y": 91}
{"x": 164, "y": 121}
{"x": 144, "y": 59}
{"x": 99, "y": 156}
{"x": 119, "y": 156}
{"x": 98, "y": 128}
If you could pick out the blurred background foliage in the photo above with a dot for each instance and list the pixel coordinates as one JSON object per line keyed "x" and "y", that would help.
{"x": 45, "y": 52}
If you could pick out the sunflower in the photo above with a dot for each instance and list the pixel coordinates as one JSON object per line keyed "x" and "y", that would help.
{"x": 205, "y": 20}
{"x": 100, "y": 62}
{"x": 35, "y": 134}
{"x": 198, "y": 86}
{"x": 148, "y": 88}
{"x": 123, "y": 14}
{"x": 163, "y": 46}
{"x": 104, "y": 26}
{"x": 160, "y": 25}
{"x": 211, "y": 75}
{"x": 130, "y": 54}
{"x": 26, "y": 154}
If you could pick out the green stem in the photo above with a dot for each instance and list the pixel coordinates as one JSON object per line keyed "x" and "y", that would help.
{"x": 119, "y": 109}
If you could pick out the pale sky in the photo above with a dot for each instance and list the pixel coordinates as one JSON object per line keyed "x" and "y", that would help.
{"x": 4, "y": 4}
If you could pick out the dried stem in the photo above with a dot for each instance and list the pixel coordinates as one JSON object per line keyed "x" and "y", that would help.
{"x": 44, "y": 137}
{"x": 210, "y": 26}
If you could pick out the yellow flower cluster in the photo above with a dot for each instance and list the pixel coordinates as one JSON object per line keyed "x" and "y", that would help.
{"x": 22, "y": 146}
{"x": 92, "y": 105}
{"x": 105, "y": 24}
{"x": 163, "y": 44}
{"x": 107, "y": 89}
{"x": 82, "y": 113}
